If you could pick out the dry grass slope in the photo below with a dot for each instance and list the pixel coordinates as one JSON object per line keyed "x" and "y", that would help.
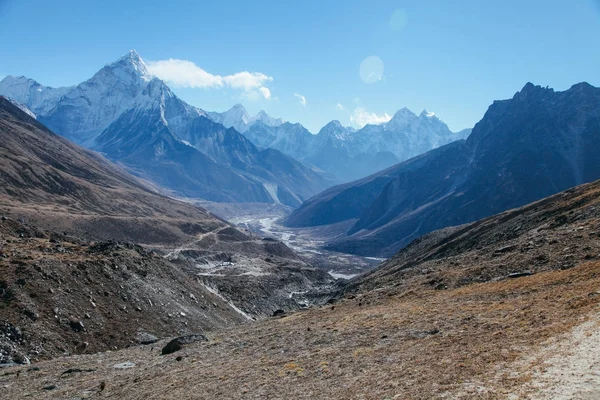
{"x": 418, "y": 344}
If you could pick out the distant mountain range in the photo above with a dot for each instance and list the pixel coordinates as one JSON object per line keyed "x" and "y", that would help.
{"x": 342, "y": 151}
{"x": 133, "y": 117}
{"x": 531, "y": 146}
{"x": 237, "y": 117}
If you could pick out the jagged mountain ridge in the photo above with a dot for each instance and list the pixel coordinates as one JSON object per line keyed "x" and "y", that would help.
{"x": 350, "y": 154}
{"x": 98, "y": 114}
{"x": 237, "y": 117}
{"x": 525, "y": 148}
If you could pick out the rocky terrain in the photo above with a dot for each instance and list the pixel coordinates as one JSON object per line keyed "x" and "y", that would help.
{"x": 74, "y": 278}
{"x": 465, "y": 312}
{"x": 265, "y": 220}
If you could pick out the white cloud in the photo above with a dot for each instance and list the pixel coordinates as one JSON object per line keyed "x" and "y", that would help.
{"x": 265, "y": 92}
{"x": 301, "y": 98}
{"x": 247, "y": 80}
{"x": 185, "y": 73}
{"x": 362, "y": 117}
{"x": 340, "y": 107}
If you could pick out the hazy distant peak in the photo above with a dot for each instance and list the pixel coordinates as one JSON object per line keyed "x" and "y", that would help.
{"x": 427, "y": 114}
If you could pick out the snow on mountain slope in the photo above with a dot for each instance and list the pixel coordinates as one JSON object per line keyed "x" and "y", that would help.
{"x": 38, "y": 98}
{"x": 237, "y": 117}
{"x": 351, "y": 154}
{"x": 23, "y": 107}
{"x": 134, "y": 118}
{"x": 90, "y": 107}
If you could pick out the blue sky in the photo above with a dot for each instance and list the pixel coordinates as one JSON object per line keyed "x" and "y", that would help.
{"x": 452, "y": 58}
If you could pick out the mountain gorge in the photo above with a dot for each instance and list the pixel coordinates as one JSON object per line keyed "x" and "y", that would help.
{"x": 525, "y": 148}
{"x": 135, "y": 119}
{"x": 90, "y": 254}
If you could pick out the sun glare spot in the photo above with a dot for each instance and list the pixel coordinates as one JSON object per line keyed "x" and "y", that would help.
{"x": 371, "y": 69}
{"x": 398, "y": 19}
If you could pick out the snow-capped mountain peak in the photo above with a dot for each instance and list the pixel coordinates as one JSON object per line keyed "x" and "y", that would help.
{"x": 129, "y": 69}
{"x": 333, "y": 124}
{"x": 401, "y": 120}
{"x": 427, "y": 114}
{"x": 335, "y": 130}
{"x": 266, "y": 119}
{"x": 237, "y": 117}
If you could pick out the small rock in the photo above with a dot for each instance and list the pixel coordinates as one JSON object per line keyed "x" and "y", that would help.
{"x": 49, "y": 387}
{"x": 278, "y": 313}
{"x": 178, "y": 343}
{"x": 520, "y": 274}
{"x": 77, "y": 326}
{"x": 146, "y": 338}
{"x": 77, "y": 370}
{"x": 87, "y": 316}
{"x": 20, "y": 358}
{"x": 32, "y": 315}
{"x": 124, "y": 365}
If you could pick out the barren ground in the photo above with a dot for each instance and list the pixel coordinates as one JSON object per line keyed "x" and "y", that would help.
{"x": 465, "y": 342}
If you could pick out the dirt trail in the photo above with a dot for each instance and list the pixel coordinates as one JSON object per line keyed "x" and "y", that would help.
{"x": 570, "y": 367}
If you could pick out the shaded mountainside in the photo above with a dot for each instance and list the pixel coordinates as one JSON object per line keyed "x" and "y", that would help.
{"x": 146, "y": 146}
{"x": 531, "y": 146}
{"x": 293, "y": 181}
{"x": 133, "y": 117}
{"x": 558, "y": 232}
{"x": 465, "y": 312}
{"x": 55, "y": 183}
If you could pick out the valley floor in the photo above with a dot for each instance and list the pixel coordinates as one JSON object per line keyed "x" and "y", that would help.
{"x": 307, "y": 242}
{"x": 528, "y": 337}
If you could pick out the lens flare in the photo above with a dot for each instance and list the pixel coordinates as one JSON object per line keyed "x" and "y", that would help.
{"x": 399, "y": 19}
{"x": 371, "y": 69}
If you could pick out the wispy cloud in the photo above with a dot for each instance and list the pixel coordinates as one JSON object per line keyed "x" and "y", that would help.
{"x": 339, "y": 106}
{"x": 301, "y": 98}
{"x": 362, "y": 117}
{"x": 184, "y": 73}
